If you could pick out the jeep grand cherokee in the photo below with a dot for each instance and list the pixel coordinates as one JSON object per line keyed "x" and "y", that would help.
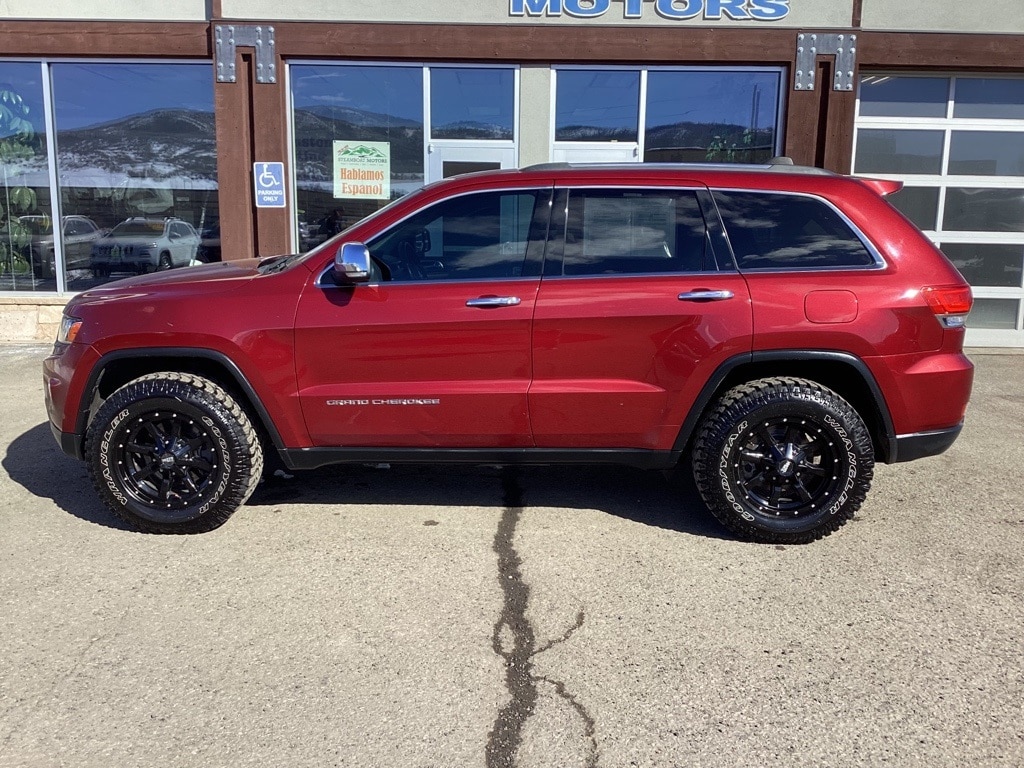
{"x": 780, "y": 329}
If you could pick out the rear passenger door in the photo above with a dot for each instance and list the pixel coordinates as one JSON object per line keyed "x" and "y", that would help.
{"x": 633, "y": 314}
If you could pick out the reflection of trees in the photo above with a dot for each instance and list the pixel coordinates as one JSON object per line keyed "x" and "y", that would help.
{"x": 18, "y": 145}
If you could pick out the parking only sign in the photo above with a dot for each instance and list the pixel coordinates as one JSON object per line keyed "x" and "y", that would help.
{"x": 269, "y": 184}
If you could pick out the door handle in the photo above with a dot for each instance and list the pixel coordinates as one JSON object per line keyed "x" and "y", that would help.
{"x": 486, "y": 302}
{"x": 703, "y": 295}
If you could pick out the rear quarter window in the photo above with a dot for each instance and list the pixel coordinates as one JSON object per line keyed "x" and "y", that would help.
{"x": 778, "y": 231}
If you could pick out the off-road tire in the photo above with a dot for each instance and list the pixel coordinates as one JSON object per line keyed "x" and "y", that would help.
{"x": 783, "y": 460}
{"x": 173, "y": 453}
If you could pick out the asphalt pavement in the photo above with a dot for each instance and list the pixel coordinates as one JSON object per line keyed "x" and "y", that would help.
{"x": 450, "y": 616}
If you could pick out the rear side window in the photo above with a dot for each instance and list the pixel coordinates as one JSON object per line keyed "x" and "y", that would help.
{"x": 616, "y": 231}
{"x": 776, "y": 231}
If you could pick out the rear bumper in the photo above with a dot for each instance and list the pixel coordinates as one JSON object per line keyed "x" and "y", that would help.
{"x": 922, "y": 444}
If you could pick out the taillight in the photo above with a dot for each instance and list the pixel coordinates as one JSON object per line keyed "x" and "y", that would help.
{"x": 950, "y": 303}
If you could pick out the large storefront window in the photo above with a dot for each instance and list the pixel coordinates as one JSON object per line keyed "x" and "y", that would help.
{"x": 134, "y": 176}
{"x": 667, "y": 114}
{"x": 353, "y": 120}
{"x": 26, "y": 237}
{"x": 958, "y": 144}
{"x": 363, "y": 136}
{"x": 597, "y": 105}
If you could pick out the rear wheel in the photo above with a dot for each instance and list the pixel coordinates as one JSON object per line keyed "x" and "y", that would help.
{"x": 173, "y": 453}
{"x": 783, "y": 460}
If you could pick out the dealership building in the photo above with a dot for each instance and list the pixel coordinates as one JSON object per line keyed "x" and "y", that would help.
{"x": 266, "y": 127}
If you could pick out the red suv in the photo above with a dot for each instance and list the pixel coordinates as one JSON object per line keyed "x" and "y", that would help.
{"x": 779, "y": 328}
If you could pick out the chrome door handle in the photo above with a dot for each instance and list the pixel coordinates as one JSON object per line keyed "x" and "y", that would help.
{"x": 494, "y": 301}
{"x": 705, "y": 295}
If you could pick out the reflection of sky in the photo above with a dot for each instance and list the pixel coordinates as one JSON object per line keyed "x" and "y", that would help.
{"x": 478, "y": 95}
{"x": 396, "y": 91}
{"x": 25, "y": 80}
{"x": 90, "y": 94}
{"x": 734, "y": 98}
{"x": 463, "y": 94}
{"x": 610, "y": 98}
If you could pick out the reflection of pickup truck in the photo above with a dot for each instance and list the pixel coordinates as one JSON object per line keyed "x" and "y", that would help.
{"x": 79, "y": 234}
{"x": 145, "y": 245}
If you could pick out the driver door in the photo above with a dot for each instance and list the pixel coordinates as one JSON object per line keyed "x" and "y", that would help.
{"x": 436, "y": 352}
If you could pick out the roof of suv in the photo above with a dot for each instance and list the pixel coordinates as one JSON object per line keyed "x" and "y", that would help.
{"x": 778, "y": 174}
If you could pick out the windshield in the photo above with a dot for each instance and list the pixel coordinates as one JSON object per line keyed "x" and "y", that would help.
{"x": 136, "y": 228}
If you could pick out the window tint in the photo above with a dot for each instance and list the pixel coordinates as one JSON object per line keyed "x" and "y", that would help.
{"x": 473, "y": 237}
{"x": 633, "y": 231}
{"x": 776, "y": 231}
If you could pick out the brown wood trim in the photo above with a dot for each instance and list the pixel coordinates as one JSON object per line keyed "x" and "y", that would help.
{"x": 939, "y": 50}
{"x": 534, "y": 43}
{"x": 270, "y": 143}
{"x": 233, "y": 119}
{"x": 858, "y": 13}
{"x": 105, "y": 38}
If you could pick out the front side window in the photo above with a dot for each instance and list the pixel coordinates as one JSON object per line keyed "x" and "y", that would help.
{"x": 777, "y": 231}
{"x": 612, "y": 232}
{"x": 472, "y": 237}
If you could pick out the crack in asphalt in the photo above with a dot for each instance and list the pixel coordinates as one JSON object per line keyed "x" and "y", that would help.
{"x": 506, "y": 736}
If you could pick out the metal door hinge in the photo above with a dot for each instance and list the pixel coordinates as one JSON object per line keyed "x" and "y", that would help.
{"x": 810, "y": 46}
{"x": 228, "y": 37}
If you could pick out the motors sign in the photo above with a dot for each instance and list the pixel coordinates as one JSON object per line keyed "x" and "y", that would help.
{"x": 677, "y": 10}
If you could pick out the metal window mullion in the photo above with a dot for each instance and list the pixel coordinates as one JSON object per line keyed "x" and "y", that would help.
{"x": 641, "y": 118}
{"x": 428, "y": 127}
{"x": 50, "y": 121}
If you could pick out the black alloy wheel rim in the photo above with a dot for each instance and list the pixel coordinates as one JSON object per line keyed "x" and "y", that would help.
{"x": 168, "y": 461}
{"x": 787, "y": 468}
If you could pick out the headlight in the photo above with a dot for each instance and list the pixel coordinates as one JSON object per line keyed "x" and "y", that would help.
{"x": 69, "y": 328}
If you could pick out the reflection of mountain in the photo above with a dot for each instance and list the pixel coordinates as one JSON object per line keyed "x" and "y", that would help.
{"x": 703, "y": 134}
{"x": 694, "y": 135}
{"x": 162, "y": 144}
{"x": 317, "y": 129}
{"x": 361, "y": 117}
{"x": 470, "y": 129}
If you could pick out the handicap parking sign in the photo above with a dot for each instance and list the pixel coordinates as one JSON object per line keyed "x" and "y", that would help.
{"x": 269, "y": 184}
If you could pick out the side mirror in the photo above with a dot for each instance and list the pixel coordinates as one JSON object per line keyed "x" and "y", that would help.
{"x": 352, "y": 264}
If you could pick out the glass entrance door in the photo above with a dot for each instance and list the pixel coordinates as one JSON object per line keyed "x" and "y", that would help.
{"x": 449, "y": 158}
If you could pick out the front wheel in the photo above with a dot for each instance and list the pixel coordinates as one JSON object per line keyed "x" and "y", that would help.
{"x": 783, "y": 460}
{"x": 173, "y": 453}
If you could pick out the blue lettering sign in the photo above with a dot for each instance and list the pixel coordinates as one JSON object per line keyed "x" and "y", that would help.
{"x": 691, "y": 9}
{"x": 586, "y": 9}
{"x": 535, "y": 8}
{"x": 769, "y": 10}
{"x": 677, "y": 10}
{"x": 732, "y": 8}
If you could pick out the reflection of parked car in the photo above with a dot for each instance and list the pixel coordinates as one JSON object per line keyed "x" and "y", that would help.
{"x": 79, "y": 233}
{"x": 145, "y": 245}
{"x": 209, "y": 247}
